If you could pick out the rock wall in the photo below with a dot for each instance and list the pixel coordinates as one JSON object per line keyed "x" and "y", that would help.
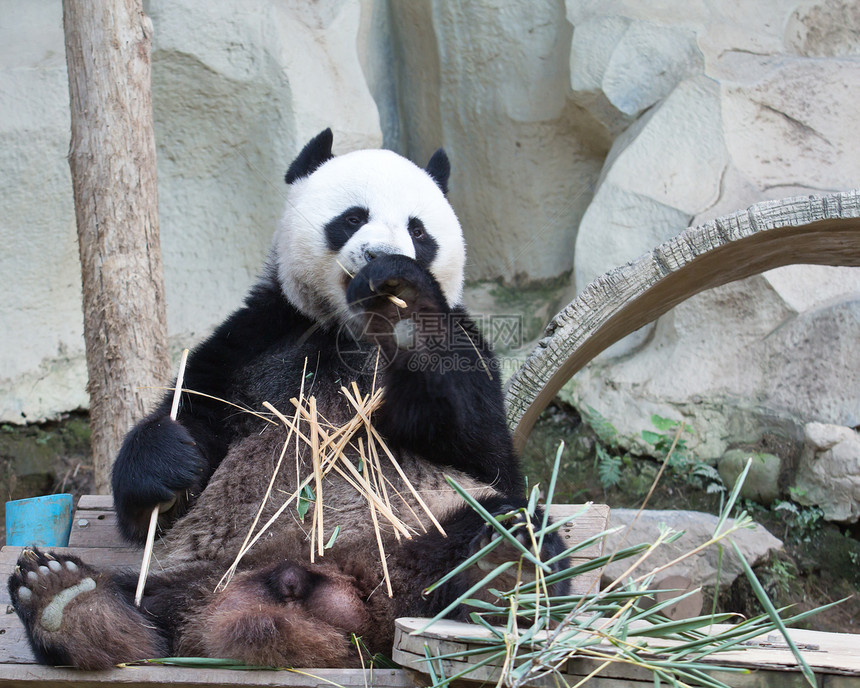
{"x": 237, "y": 89}
{"x": 581, "y": 134}
{"x": 715, "y": 110}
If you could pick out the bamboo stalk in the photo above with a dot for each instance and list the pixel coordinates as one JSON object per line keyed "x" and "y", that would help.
{"x": 153, "y": 518}
{"x": 318, "y": 502}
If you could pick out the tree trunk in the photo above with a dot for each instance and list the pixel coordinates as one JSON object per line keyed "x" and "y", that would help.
{"x": 112, "y": 159}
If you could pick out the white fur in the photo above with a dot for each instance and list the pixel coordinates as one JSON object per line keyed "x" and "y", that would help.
{"x": 394, "y": 190}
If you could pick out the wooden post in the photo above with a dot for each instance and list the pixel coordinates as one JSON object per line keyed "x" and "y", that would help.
{"x": 112, "y": 160}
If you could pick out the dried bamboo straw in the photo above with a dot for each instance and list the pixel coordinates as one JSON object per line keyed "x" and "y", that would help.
{"x": 373, "y": 517}
{"x": 328, "y": 443}
{"x": 393, "y": 461}
{"x": 381, "y": 484}
{"x": 153, "y": 518}
{"x": 292, "y": 427}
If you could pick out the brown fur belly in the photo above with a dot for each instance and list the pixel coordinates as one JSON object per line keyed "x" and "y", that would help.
{"x": 219, "y": 522}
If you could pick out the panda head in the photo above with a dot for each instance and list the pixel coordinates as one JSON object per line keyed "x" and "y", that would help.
{"x": 343, "y": 211}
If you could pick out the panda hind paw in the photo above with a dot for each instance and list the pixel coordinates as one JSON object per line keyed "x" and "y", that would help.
{"x": 74, "y": 616}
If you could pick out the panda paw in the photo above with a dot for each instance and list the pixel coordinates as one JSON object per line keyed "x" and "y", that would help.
{"x": 156, "y": 465}
{"x": 74, "y": 616}
{"x": 43, "y": 584}
{"x": 386, "y": 294}
{"x": 394, "y": 286}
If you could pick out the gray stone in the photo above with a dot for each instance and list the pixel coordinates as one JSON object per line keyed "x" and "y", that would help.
{"x": 699, "y": 569}
{"x": 761, "y": 483}
{"x": 829, "y": 472}
{"x": 491, "y": 82}
{"x": 783, "y": 343}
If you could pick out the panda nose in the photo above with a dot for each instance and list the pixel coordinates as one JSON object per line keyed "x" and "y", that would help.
{"x": 372, "y": 252}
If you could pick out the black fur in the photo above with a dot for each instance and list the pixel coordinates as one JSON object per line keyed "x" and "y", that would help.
{"x": 439, "y": 168}
{"x": 315, "y": 153}
{"x": 340, "y": 230}
{"x": 425, "y": 245}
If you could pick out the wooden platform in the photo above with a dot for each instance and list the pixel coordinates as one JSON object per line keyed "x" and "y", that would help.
{"x": 95, "y": 539}
{"x": 834, "y": 657}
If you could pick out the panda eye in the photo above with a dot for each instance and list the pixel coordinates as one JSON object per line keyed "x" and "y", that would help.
{"x": 416, "y": 229}
{"x": 353, "y": 220}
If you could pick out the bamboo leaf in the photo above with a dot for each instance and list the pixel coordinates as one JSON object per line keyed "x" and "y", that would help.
{"x": 733, "y": 496}
{"x": 494, "y": 523}
{"x": 549, "y": 495}
{"x": 495, "y": 573}
{"x": 765, "y": 602}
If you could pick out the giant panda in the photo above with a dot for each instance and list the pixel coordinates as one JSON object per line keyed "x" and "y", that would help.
{"x": 357, "y": 229}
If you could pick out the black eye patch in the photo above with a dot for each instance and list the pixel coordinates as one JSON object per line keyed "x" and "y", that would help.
{"x": 339, "y": 230}
{"x": 425, "y": 245}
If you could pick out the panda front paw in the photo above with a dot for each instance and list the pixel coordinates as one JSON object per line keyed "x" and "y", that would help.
{"x": 158, "y": 465}
{"x": 386, "y": 283}
{"x": 387, "y": 293}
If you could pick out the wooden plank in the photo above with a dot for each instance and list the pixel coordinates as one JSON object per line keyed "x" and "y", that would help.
{"x": 22, "y": 676}
{"x": 594, "y": 519}
{"x": 829, "y": 654}
{"x": 97, "y": 502}
{"x": 95, "y": 528}
{"x": 15, "y": 648}
{"x": 94, "y": 523}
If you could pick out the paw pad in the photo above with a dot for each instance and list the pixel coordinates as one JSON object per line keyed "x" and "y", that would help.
{"x": 46, "y": 585}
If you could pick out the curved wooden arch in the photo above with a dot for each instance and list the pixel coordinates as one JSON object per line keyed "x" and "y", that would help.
{"x": 821, "y": 230}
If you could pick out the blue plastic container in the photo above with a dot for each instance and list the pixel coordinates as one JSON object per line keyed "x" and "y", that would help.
{"x": 42, "y": 521}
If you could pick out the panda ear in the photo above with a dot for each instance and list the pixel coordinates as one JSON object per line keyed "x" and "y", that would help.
{"x": 314, "y": 154}
{"x": 439, "y": 168}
